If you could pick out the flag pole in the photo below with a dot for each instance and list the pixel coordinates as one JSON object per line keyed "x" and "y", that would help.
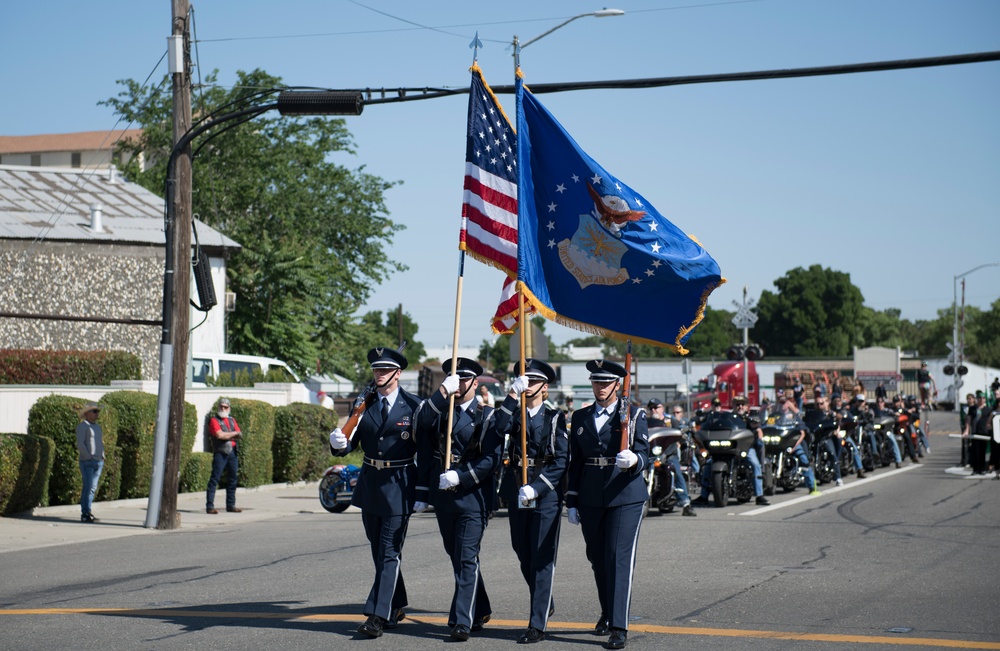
{"x": 524, "y": 399}
{"x": 446, "y": 462}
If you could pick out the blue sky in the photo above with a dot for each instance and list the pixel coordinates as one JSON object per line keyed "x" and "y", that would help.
{"x": 892, "y": 177}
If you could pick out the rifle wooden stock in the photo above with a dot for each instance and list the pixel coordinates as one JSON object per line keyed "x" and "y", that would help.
{"x": 626, "y": 406}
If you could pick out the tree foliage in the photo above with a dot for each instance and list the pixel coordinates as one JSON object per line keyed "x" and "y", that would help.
{"x": 814, "y": 313}
{"x": 314, "y": 232}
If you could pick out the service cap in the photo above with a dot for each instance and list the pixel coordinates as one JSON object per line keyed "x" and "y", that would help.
{"x": 467, "y": 368}
{"x": 601, "y": 370}
{"x": 386, "y": 358}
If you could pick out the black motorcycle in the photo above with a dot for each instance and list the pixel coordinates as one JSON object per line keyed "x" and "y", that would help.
{"x": 883, "y": 427}
{"x": 781, "y": 468}
{"x": 824, "y": 463}
{"x": 727, "y": 439}
{"x": 661, "y": 481}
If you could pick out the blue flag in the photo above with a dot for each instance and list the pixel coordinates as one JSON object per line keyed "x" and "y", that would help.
{"x": 592, "y": 253}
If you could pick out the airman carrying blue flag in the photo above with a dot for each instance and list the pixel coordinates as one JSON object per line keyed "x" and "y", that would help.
{"x": 592, "y": 253}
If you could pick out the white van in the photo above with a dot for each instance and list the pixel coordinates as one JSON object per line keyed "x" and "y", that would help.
{"x": 217, "y": 364}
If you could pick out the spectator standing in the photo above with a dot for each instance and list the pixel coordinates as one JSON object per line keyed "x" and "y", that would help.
{"x": 485, "y": 398}
{"x": 224, "y": 431}
{"x": 90, "y": 445}
{"x": 797, "y": 392}
{"x": 980, "y": 425}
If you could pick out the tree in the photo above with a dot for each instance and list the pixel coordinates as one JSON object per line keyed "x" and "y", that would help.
{"x": 814, "y": 313}
{"x": 314, "y": 233}
{"x": 387, "y": 332}
{"x": 495, "y": 355}
{"x": 986, "y": 334}
{"x": 714, "y": 334}
{"x": 879, "y": 328}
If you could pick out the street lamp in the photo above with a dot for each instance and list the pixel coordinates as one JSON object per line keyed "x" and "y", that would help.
{"x": 518, "y": 46}
{"x": 174, "y": 342}
{"x": 954, "y": 333}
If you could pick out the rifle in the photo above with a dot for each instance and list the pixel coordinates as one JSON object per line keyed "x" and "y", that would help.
{"x": 364, "y": 399}
{"x": 625, "y": 410}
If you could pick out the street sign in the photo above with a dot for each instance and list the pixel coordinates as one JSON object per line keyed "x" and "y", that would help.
{"x": 744, "y": 318}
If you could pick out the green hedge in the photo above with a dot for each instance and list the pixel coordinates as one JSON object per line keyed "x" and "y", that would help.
{"x": 56, "y": 417}
{"x": 136, "y": 433}
{"x": 25, "y": 467}
{"x": 256, "y": 421}
{"x": 196, "y": 472}
{"x": 301, "y": 445}
{"x": 89, "y": 367}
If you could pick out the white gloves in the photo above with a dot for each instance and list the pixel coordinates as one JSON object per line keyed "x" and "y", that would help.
{"x": 450, "y": 385}
{"x": 419, "y": 507}
{"x": 527, "y": 495}
{"x": 448, "y": 479}
{"x": 520, "y": 384}
{"x": 337, "y": 439}
{"x": 574, "y": 516}
{"x": 626, "y": 459}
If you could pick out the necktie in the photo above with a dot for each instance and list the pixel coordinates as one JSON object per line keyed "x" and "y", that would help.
{"x": 385, "y": 409}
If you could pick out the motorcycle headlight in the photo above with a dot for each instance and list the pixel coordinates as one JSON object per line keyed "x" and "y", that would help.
{"x": 876, "y": 426}
{"x": 657, "y": 450}
{"x": 773, "y": 440}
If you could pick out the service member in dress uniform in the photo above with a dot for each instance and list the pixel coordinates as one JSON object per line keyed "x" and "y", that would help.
{"x": 607, "y": 494}
{"x": 386, "y": 485}
{"x": 535, "y": 509}
{"x": 463, "y": 496}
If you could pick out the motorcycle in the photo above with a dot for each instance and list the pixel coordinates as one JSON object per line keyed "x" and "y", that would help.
{"x": 728, "y": 440}
{"x": 883, "y": 427}
{"x": 780, "y": 467}
{"x": 849, "y": 438}
{"x": 824, "y": 463}
{"x": 661, "y": 481}
{"x": 337, "y": 487}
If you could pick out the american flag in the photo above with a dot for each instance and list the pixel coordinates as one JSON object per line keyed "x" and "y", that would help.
{"x": 489, "y": 204}
{"x": 505, "y": 319}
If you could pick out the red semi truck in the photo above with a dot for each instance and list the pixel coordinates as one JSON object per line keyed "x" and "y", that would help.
{"x": 725, "y": 382}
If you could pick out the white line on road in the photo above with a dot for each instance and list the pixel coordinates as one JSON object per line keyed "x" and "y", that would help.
{"x": 836, "y": 489}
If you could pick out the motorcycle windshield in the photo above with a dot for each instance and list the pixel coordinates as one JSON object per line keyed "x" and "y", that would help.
{"x": 723, "y": 420}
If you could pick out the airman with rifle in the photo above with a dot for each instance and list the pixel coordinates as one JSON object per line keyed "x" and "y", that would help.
{"x": 382, "y": 425}
{"x": 609, "y": 449}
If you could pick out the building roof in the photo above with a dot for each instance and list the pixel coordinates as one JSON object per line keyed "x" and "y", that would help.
{"x": 49, "y": 142}
{"x": 55, "y": 204}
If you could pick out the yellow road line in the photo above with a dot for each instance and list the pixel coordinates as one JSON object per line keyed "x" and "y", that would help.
{"x": 513, "y": 623}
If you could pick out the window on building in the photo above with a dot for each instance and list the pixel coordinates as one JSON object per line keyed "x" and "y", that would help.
{"x": 36, "y": 160}
{"x": 74, "y": 159}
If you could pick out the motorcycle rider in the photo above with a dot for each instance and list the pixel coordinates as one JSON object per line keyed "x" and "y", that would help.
{"x": 657, "y": 418}
{"x": 913, "y": 408}
{"x": 839, "y": 411}
{"x": 879, "y": 411}
{"x": 741, "y": 409}
{"x": 656, "y": 414}
{"x": 823, "y": 406}
{"x": 784, "y": 411}
{"x": 899, "y": 407}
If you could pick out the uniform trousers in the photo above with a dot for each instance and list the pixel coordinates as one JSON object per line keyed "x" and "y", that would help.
{"x": 385, "y": 536}
{"x": 611, "y": 535}
{"x": 462, "y": 534}
{"x": 534, "y": 535}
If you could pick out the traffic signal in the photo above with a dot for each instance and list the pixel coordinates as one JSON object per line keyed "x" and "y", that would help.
{"x": 735, "y": 352}
{"x": 754, "y": 353}
{"x": 948, "y": 369}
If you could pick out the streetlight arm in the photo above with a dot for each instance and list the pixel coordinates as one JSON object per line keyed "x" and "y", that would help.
{"x": 603, "y": 13}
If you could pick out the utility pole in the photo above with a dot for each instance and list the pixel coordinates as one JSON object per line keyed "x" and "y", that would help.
{"x": 168, "y": 516}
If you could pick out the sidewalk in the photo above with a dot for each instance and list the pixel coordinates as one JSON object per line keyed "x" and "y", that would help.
{"x": 60, "y": 525}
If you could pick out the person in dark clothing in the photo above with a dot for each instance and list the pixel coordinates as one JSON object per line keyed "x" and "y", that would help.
{"x": 980, "y": 425}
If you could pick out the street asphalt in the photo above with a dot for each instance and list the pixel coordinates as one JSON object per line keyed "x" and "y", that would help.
{"x": 903, "y": 559}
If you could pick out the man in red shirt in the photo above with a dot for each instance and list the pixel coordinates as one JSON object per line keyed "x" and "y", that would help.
{"x": 224, "y": 431}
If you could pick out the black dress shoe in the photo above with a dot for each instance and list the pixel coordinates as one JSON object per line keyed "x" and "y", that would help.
{"x": 531, "y": 636}
{"x": 479, "y": 622}
{"x": 761, "y": 501}
{"x": 460, "y": 633}
{"x": 395, "y": 618}
{"x": 372, "y": 626}
{"x": 602, "y": 628}
{"x": 689, "y": 511}
{"x": 618, "y": 639}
